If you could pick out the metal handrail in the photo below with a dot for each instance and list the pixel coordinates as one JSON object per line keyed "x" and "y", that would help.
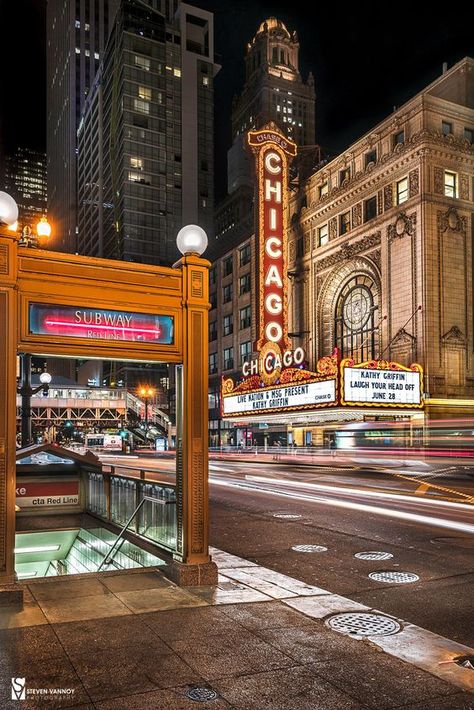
{"x": 107, "y": 559}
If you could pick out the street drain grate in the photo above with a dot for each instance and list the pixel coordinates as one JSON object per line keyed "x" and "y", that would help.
{"x": 287, "y": 516}
{"x": 309, "y": 548}
{"x": 373, "y": 555}
{"x": 394, "y": 577}
{"x": 360, "y": 625}
{"x": 465, "y": 662}
{"x": 201, "y": 695}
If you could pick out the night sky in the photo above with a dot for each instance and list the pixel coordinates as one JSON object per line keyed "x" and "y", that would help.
{"x": 364, "y": 63}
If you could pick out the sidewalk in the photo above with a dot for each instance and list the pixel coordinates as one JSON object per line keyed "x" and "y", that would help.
{"x": 134, "y": 640}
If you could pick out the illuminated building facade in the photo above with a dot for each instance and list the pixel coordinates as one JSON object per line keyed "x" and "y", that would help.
{"x": 145, "y": 142}
{"x": 380, "y": 260}
{"x": 25, "y": 181}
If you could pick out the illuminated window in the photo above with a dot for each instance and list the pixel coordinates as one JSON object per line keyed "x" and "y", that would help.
{"x": 144, "y": 93}
{"x": 344, "y": 223}
{"x": 450, "y": 184}
{"x": 355, "y": 318}
{"x": 137, "y": 163}
{"x": 177, "y": 72}
{"x": 446, "y": 128}
{"x": 323, "y": 235}
{"x": 77, "y": 25}
{"x": 141, "y": 106}
{"x": 245, "y": 351}
{"x": 139, "y": 177}
{"x": 323, "y": 189}
{"x": 402, "y": 191}
{"x": 205, "y": 81}
{"x": 142, "y": 62}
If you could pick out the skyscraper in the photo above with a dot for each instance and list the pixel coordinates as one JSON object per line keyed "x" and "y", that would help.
{"x": 76, "y": 35}
{"x": 145, "y": 142}
{"x": 25, "y": 181}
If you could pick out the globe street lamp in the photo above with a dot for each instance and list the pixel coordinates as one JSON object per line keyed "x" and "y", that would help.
{"x": 146, "y": 393}
{"x": 8, "y": 210}
{"x": 191, "y": 239}
{"x": 26, "y": 391}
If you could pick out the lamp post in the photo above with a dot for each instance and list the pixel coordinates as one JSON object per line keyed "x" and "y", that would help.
{"x": 30, "y": 239}
{"x": 146, "y": 393}
{"x": 26, "y": 391}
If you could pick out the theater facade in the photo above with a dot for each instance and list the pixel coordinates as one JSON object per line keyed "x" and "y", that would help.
{"x": 376, "y": 285}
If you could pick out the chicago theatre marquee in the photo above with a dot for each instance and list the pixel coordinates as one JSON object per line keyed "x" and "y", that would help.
{"x": 276, "y": 385}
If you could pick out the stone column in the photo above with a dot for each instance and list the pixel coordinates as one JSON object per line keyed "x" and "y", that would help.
{"x": 9, "y": 594}
{"x": 193, "y": 565}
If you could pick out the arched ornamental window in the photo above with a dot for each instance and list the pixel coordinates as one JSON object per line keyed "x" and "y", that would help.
{"x": 356, "y": 319}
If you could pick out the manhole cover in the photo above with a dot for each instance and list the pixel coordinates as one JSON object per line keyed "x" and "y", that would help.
{"x": 465, "y": 662}
{"x": 373, "y": 555}
{"x": 287, "y": 516}
{"x": 360, "y": 624}
{"x": 309, "y": 548}
{"x": 201, "y": 695}
{"x": 394, "y": 577}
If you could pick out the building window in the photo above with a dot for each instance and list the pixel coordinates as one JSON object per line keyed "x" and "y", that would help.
{"x": 141, "y": 106}
{"x": 205, "y": 81}
{"x": 355, "y": 319}
{"x": 227, "y": 266}
{"x": 399, "y": 138}
{"x": 402, "y": 191}
{"x": 177, "y": 72}
{"x": 323, "y": 189}
{"x": 450, "y": 184}
{"x": 228, "y": 358}
{"x": 144, "y": 93}
{"x": 136, "y": 163}
{"x": 212, "y": 275}
{"x": 245, "y": 351}
{"x": 142, "y": 178}
{"x": 228, "y": 324}
{"x": 244, "y": 255}
{"x": 323, "y": 235}
{"x": 469, "y": 135}
{"x": 370, "y": 208}
{"x": 344, "y": 175}
{"x": 142, "y": 62}
{"x": 212, "y": 363}
{"x": 370, "y": 157}
{"x": 344, "y": 223}
{"x": 227, "y": 293}
{"x": 446, "y": 128}
{"x": 244, "y": 284}
{"x": 212, "y": 330}
{"x": 245, "y": 317}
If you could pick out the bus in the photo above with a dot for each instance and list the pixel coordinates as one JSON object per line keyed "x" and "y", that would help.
{"x": 103, "y": 442}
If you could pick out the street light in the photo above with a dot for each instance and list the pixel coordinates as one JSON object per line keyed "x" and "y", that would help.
{"x": 26, "y": 391}
{"x": 146, "y": 393}
{"x": 31, "y": 240}
{"x": 8, "y": 210}
{"x": 191, "y": 239}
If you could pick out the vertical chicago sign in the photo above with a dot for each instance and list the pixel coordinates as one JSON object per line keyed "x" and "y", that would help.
{"x": 273, "y": 153}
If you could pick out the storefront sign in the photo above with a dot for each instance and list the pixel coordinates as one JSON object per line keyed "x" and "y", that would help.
{"x": 281, "y": 399}
{"x": 46, "y": 494}
{"x": 99, "y": 324}
{"x": 382, "y": 383}
{"x": 272, "y": 152}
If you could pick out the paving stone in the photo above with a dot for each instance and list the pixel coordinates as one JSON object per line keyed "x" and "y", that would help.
{"x": 294, "y": 688}
{"x": 102, "y": 635}
{"x": 125, "y": 671}
{"x": 30, "y": 615}
{"x": 273, "y": 583}
{"x": 319, "y": 607}
{"x": 28, "y": 644}
{"x": 174, "y": 699}
{"x": 461, "y": 701}
{"x": 265, "y": 616}
{"x": 131, "y": 582}
{"x": 143, "y": 600}
{"x": 380, "y": 681}
{"x": 219, "y": 656}
{"x": 238, "y": 594}
{"x": 183, "y": 624}
{"x": 70, "y": 589}
{"x": 95, "y": 607}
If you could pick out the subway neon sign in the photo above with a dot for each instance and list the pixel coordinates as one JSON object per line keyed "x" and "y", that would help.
{"x": 100, "y": 324}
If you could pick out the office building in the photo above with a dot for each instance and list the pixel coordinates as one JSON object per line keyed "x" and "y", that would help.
{"x": 25, "y": 181}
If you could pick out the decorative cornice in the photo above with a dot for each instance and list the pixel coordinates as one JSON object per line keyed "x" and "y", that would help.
{"x": 451, "y": 221}
{"x": 454, "y": 336}
{"x": 403, "y": 338}
{"x": 348, "y": 250}
{"x": 404, "y": 226}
